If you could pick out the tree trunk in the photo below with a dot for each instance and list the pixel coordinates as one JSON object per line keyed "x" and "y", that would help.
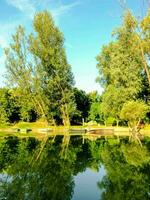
{"x": 145, "y": 64}
{"x": 117, "y": 123}
{"x": 65, "y": 115}
{"x": 134, "y": 132}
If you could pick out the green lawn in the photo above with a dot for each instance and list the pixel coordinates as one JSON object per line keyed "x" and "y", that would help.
{"x": 6, "y": 131}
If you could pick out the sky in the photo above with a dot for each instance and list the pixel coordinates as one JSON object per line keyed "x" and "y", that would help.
{"x": 86, "y": 24}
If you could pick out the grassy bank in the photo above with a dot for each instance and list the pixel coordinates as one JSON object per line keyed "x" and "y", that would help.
{"x": 6, "y": 131}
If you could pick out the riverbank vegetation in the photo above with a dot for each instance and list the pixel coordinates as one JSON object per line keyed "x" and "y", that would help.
{"x": 40, "y": 83}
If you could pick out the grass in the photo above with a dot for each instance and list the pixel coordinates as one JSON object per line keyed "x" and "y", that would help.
{"x": 31, "y": 125}
{"x": 6, "y": 131}
{"x": 147, "y": 127}
{"x": 3, "y": 126}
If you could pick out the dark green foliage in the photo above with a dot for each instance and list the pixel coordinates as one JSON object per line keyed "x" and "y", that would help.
{"x": 9, "y": 108}
{"x": 27, "y": 110}
{"x": 82, "y": 101}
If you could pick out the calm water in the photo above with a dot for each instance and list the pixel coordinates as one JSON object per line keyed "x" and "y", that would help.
{"x": 64, "y": 168}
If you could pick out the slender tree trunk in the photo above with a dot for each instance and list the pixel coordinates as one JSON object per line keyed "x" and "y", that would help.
{"x": 145, "y": 64}
{"x": 65, "y": 115}
{"x": 42, "y": 111}
{"x": 143, "y": 59}
{"x": 134, "y": 132}
{"x": 117, "y": 122}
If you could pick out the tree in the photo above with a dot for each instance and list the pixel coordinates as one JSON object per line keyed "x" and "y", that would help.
{"x": 112, "y": 102}
{"x": 95, "y": 113}
{"x": 82, "y": 101}
{"x": 20, "y": 70}
{"x": 134, "y": 112}
{"x": 120, "y": 67}
{"x": 37, "y": 64}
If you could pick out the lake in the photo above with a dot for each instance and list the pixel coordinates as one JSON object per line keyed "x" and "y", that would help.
{"x": 70, "y": 168}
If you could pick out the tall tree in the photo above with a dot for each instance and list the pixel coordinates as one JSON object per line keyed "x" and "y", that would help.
{"x": 121, "y": 67}
{"x": 21, "y": 71}
{"x": 38, "y": 65}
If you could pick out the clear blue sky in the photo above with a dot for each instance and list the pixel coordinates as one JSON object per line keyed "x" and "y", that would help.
{"x": 86, "y": 24}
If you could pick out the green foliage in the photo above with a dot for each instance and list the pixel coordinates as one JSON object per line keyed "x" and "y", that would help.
{"x": 27, "y": 109}
{"x": 9, "y": 109}
{"x": 95, "y": 113}
{"x": 135, "y": 155}
{"x": 127, "y": 176}
{"x": 82, "y": 101}
{"x": 37, "y": 65}
{"x": 47, "y": 47}
{"x": 132, "y": 111}
{"x": 122, "y": 69}
{"x": 145, "y": 29}
{"x": 126, "y": 167}
{"x": 112, "y": 101}
{"x": 109, "y": 121}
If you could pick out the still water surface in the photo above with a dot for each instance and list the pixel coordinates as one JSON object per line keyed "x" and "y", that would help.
{"x": 68, "y": 168}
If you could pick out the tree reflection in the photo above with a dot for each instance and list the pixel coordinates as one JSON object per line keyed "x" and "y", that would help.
{"x": 128, "y": 175}
{"x": 49, "y": 178}
{"x": 32, "y": 169}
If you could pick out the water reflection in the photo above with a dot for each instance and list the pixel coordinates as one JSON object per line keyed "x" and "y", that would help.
{"x": 57, "y": 167}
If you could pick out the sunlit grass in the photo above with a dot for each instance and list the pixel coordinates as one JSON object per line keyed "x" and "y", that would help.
{"x": 30, "y": 125}
{"x": 6, "y": 131}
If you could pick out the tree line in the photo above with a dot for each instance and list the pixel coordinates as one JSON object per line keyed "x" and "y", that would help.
{"x": 41, "y": 83}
